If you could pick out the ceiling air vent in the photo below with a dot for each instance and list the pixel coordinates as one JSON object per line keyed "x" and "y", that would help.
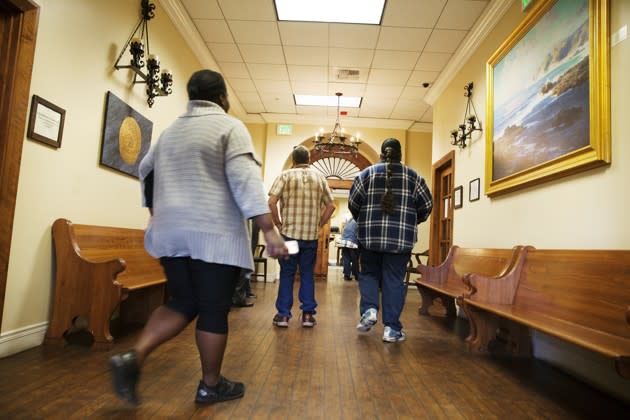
{"x": 348, "y": 74}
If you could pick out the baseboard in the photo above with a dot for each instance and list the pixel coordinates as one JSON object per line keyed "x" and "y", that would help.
{"x": 15, "y": 341}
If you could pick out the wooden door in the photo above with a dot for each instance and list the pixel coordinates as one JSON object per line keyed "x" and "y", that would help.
{"x": 442, "y": 216}
{"x": 321, "y": 263}
{"x": 18, "y": 32}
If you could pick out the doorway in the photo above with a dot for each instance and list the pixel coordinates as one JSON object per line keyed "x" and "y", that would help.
{"x": 18, "y": 31}
{"x": 441, "y": 233}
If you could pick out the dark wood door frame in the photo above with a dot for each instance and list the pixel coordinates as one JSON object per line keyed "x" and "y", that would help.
{"x": 447, "y": 162}
{"x": 18, "y": 32}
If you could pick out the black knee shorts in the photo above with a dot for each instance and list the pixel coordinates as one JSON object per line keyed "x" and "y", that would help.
{"x": 198, "y": 288}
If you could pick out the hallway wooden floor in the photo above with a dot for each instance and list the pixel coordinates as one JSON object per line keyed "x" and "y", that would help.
{"x": 328, "y": 372}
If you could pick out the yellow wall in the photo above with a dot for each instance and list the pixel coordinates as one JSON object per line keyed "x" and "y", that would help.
{"x": 583, "y": 211}
{"x": 77, "y": 44}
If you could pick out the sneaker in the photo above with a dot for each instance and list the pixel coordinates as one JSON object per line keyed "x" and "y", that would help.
{"x": 367, "y": 321}
{"x": 281, "y": 321}
{"x": 390, "y": 335}
{"x": 125, "y": 373}
{"x": 308, "y": 320}
{"x": 224, "y": 390}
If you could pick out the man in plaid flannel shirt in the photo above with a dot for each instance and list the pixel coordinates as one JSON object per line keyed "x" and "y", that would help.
{"x": 388, "y": 200}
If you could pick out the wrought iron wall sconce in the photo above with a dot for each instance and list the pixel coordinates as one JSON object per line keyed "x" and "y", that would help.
{"x": 470, "y": 124}
{"x": 336, "y": 142}
{"x": 159, "y": 83}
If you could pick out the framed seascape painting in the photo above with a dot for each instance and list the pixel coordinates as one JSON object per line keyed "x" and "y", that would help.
{"x": 126, "y": 137}
{"x": 549, "y": 96}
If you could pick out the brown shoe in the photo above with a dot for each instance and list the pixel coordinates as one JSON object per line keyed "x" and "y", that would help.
{"x": 281, "y": 321}
{"x": 308, "y": 320}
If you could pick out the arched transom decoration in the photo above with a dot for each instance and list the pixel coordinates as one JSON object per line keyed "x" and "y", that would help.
{"x": 336, "y": 168}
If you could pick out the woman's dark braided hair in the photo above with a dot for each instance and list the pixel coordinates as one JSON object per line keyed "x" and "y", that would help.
{"x": 390, "y": 152}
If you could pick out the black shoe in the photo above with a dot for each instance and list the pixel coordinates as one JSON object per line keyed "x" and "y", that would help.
{"x": 224, "y": 390}
{"x": 243, "y": 304}
{"x": 250, "y": 294}
{"x": 125, "y": 374}
{"x": 347, "y": 278}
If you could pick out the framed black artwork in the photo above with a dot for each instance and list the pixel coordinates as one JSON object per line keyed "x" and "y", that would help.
{"x": 126, "y": 136}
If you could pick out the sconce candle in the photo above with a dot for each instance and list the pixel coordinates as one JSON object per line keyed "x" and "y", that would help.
{"x": 470, "y": 124}
{"x": 136, "y": 45}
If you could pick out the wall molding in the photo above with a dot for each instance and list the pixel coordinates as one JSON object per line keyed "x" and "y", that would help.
{"x": 15, "y": 341}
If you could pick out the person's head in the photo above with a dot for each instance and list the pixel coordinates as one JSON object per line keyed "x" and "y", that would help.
{"x": 390, "y": 150}
{"x": 208, "y": 85}
{"x": 300, "y": 155}
{"x": 390, "y": 153}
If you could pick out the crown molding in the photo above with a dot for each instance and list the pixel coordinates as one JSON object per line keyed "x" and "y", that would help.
{"x": 479, "y": 32}
{"x": 186, "y": 27}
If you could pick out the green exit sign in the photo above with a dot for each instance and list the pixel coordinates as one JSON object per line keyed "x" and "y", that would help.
{"x": 284, "y": 129}
{"x": 525, "y": 4}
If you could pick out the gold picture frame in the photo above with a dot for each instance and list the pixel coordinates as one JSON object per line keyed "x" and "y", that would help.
{"x": 527, "y": 144}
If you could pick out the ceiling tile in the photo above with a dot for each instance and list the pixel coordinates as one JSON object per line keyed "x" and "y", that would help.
{"x": 413, "y": 92}
{"x": 432, "y": 61}
{"x": 445, "y": 40}
{"x": 383, "y": 91}
{"x": 268, "y": 71}
{"x": 348, "y": 89}
{"x": 279, "y": 103}
{"x": 203, "y": 9}
{"x": 304, "y": 33}
{"x": 353, "y": 36}
{"x": 389, "y": 77}
{"x": 460, "y": 14}
{"x": 306, "y": 56}
{"x": 311, "y": 110}
{"x": 225, "y": 52}
{"x": 248, "y": 10}
{"x": 234, "y": 70}
{"x": 409, "y": 109}
{"x": 427, "y": 116}
{"x": 310, "y": 88}
{"x": 241, "y": 86}
{"x": 273, "y": 87}
{"x": 403, "y": 39}
{"x": 250, "y": 32}
{"x": 214, "y": 30}
{"x": 401, "y": 60}
{"x": 347, "y": 57}
{"x": 266, "y": 54}
{"x": 412, "y": 13}
{"x": 308, "y": 73}
{"x": 418, "y": 77}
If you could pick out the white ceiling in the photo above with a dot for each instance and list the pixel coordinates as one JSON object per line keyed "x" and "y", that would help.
{"x": 265, "y": 62}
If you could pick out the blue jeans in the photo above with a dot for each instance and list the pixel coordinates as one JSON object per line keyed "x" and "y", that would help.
{"x": 350, "y": 262}
{"x": 305, "y": 260}
{"x": 387, "y": 271}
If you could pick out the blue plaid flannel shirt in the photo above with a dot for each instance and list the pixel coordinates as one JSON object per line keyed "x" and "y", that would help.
{"x": 380, "y": 232}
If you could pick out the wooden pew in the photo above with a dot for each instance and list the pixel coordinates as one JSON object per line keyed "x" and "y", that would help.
{"x": 445, "y": 280}
{"x": 580, "y": 296}
{"x": 97, "y": 269}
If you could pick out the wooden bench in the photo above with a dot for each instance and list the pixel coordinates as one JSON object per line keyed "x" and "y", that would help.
{"x": 580, "y": 296}
{"x": 445, "y": 280}
{"x": 97, "y": 269}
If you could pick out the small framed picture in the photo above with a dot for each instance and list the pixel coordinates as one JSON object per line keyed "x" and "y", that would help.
{"x": 45, "y": 123}
{"x": 473, "y": 189}
{"x": 458, "y": 195}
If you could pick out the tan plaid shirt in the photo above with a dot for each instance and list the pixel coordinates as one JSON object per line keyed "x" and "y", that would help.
{"x": 302, "y": 193}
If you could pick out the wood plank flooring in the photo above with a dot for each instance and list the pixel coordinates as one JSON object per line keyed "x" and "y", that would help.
{"x": 328, "y": 372}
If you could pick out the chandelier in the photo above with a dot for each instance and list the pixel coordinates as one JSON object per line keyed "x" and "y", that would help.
{"x": 158, "y": 83}
{"x": 335, "y": 143}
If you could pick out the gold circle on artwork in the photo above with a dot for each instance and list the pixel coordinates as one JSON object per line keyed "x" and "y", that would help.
{"x": 129, "y": 140}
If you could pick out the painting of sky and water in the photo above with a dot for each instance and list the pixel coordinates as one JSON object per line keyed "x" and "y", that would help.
{"x": 541, "y": 92}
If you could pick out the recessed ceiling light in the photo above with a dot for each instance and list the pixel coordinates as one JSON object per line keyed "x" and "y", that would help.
{"x": 337, "y": 11}
{"x": 315, "y": 100}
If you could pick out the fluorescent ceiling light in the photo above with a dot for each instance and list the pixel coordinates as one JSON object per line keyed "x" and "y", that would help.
{"x": 338, "y": 11}
{"x": 315, "y": 100}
